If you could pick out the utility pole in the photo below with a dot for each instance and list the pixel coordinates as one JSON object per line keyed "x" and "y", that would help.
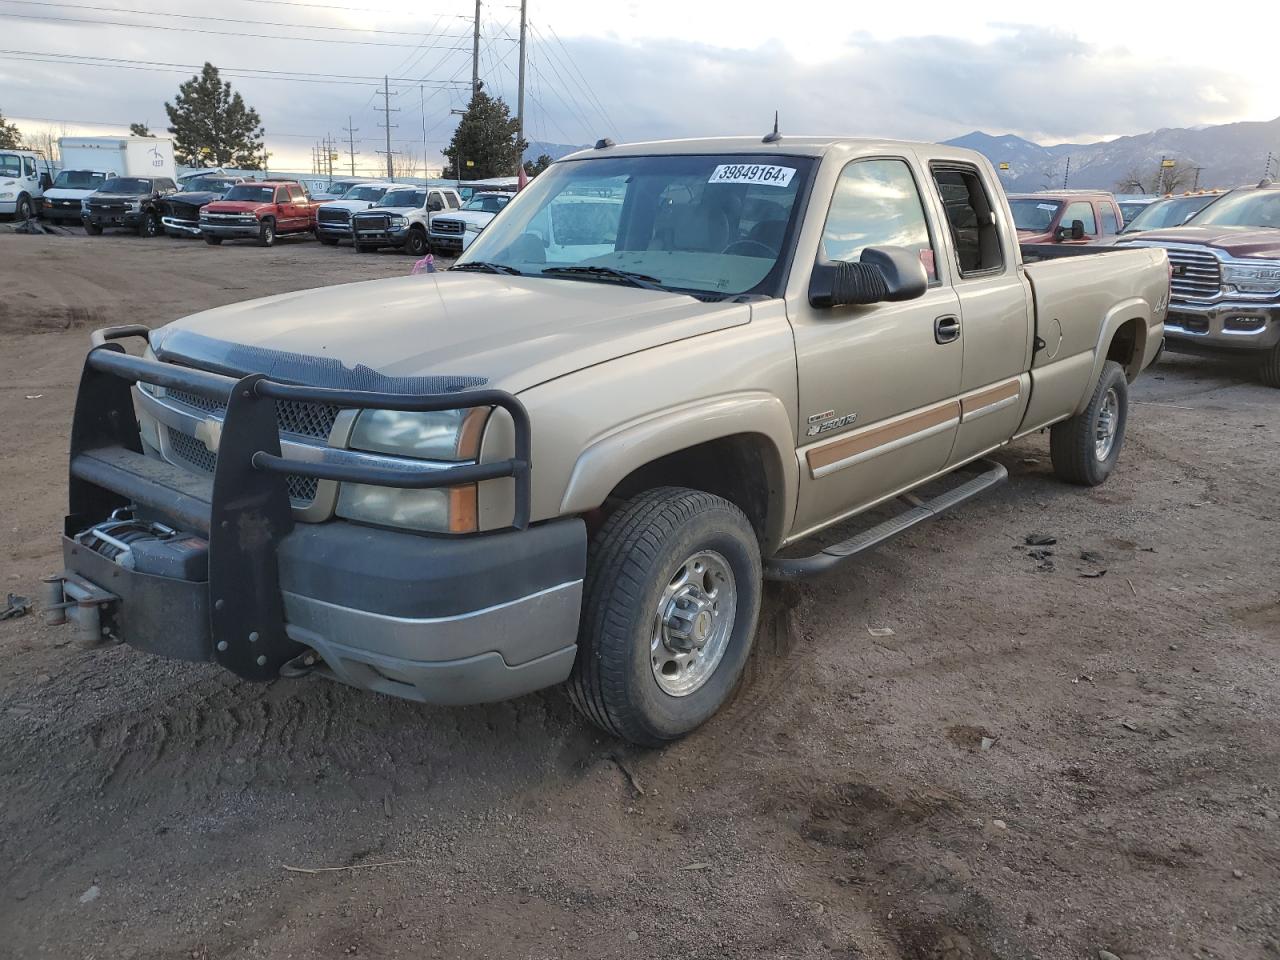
{"x": 475, "y": 54}
{"x": 1066, "y": 177}
{"x": 1160, "y": 182}
{"x": 386, "y": 112}
{"x": 351, "y": 143}
{"x": 1196, "y": 185}
{"x": 1266, "y": 171}
{"x": 422, "y": 110}
{"x": 520, "y": 84}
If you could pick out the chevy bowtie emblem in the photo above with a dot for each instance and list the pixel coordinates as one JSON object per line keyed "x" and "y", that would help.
{"x": 209, "y": 432}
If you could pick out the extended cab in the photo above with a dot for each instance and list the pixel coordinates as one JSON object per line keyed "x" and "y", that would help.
{"x": 577, "y": 454}
{"x": 129, "y": 202}
{"x": 452, "y": 233}
{"x": 1226, "y": 277}
{"x": 333, "y": 217}
{"x": 1068, "y": 216}
{"x": 402, "y": 219}
{"x": 262, "y": 210}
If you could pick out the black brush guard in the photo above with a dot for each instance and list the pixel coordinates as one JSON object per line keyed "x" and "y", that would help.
{"x": 248, "y": 512}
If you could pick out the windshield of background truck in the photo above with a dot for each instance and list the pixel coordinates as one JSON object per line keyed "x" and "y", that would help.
{"x": 10, "y": 165}
{"x": 254, "y": 194}
{"x": 1166, "y": 213}
{"x": 368, "y": 194}
{"x": 715, "y": 224}
{"x": 403, "y": 198}
{"x": 79, "y": 179}
{"x": 1034, "y": 214}
{"x": 1249, "y": 208}
{"x": 206, "y": 185}
{"x": 130, "y": 186}
{"x": 486, "y": 204}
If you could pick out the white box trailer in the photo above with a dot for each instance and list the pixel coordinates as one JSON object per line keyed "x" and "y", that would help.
{"x": 121, "y": 156}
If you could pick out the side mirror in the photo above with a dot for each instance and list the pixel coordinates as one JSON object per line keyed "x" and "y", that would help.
{"x": 1075, "y": 231}
{"x": 881, "y": 274}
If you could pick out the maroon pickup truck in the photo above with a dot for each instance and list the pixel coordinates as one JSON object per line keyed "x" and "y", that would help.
{"x": 1069, "y": 216}
{"x": 1225, "y": 288}
{"x": 260, "y": 211}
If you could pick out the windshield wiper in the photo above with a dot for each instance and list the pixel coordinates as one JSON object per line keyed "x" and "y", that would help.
{"x": 485, "y": 266}
{"x": 608, "y": 273}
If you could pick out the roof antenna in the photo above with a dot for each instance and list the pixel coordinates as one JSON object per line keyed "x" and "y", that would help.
{"x": 774, "y": 136}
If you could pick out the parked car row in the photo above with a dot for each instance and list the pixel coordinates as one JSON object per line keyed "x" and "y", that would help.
{"x": 218, "y": 206}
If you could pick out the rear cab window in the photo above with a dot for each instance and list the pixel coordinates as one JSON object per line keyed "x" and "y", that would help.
{"x": 970, "y": 217}
{"x": 1110, "y": 222}
{"x": 876, "y": 202}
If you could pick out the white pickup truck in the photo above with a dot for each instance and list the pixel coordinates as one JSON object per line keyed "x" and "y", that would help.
{"x": 577, "y": 454}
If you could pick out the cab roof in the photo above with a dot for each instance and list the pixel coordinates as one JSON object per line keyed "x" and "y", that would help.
{"x": 804, "y": 146}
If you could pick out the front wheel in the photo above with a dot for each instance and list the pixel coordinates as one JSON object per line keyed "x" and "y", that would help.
{"x": 267, "y": 233}
{"x": 362, "y": 247}
{"x": 23, "y": 210}
{"x": 1085, "y": 448}
{"x": 671, "y": 599}
{"x": 148, "y": 226}
{"x": 416, "y": 243}
{"x": 327, "y": 241}
{"x": 1270, "y": 370}
{"x": 93, "y": 229}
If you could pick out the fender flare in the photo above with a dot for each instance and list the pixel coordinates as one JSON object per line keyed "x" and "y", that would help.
{"x": 1134, "y": 308}
{"x": 613, "y": 456}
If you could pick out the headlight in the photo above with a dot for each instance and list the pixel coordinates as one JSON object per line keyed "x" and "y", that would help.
{"x": 448, "y": 435}
{"x": 7, "y": 195}
{"x": 1252, "y": 278}
{"x": 472, "y": 227}
{"x": 84, "y": 204}
{"x": 398, "y": 221}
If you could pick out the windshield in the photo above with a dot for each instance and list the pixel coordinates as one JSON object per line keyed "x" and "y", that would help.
{"x": 403, "y": 198}
{"x": 134, "y": 186}
{"x": 339, "y": 188}
{"x": 713, "y": 224}
{"x": 486, "y": 204}
{"x": 10, "y": 165}
{"x": 364, "y": 193}
{"x": 248, "y": 191}
{"x": 1034, "y": 214}
{"x": 1248, "y": 208}
{"x": 79, "y": 180}
{"x": 207, "y": 185}
{"x": 1167, "y": 213}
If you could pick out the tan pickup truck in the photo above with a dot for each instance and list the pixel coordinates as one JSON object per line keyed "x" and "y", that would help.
{"x": 577, "y": 455}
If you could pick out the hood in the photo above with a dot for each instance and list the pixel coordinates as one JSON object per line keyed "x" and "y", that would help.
{"x": 67, "y": 193}
{"x": 1259, "y": 242}
{"x": 194, "y": 198}
{"x": 238, "y": 206}
{"x": 514, "y": 332}
{"x": 392, "y": 211}
{"x": 352, "y": 205}
{"x": 99, "y": 195}
{"x": 1031, "y": 236}
{"x": 479, "y": 217}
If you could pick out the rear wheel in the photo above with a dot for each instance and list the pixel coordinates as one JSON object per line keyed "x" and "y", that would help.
{"x": 672, "y": 595}
{"x": 1270, "y": 369}
{"x": 267, "y": 233}
{"x": 416, "y": 243}
{"x": 1085, "y": 448}
{"x": 148, "y": 226}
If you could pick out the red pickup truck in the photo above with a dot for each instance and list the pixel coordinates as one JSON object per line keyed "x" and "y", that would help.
{"x": 261, "y": 211}
{"x": 1067, "y": 216}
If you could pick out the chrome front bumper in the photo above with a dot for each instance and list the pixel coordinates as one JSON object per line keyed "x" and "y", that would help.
{"x": 183, "y": 228}
{"x": 1227, "y": 325}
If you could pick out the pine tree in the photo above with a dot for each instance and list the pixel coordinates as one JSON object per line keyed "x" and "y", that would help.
{"x": 10, "y": 135}
{"x": 486, "y": 139}
{"x": 535, "y": 167}
{"x": 140, "y": 130}
{"x": 212, "y": 126}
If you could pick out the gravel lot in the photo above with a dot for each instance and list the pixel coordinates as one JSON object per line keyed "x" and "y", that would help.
{"x": 1034, "y": 763}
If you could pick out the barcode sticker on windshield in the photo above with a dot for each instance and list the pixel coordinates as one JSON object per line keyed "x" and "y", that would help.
{"x": 752, "y": 173}
{"x": 1047, "y": 206}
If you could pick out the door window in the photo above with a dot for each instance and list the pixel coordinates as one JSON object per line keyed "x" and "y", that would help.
{"x": 296, "y": 194}
{"x": 1081, "y": 210}
{"x": 434, "y": 203}
{"x": 29, "y": 166}
{"x": 1109, "y": 223}
{"x": 452, "y": 200}
{"x": 971, "y": 219}
{"x": 877, "y": 203}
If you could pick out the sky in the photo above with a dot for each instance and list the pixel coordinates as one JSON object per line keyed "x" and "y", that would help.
{"x": 638, "y": 70}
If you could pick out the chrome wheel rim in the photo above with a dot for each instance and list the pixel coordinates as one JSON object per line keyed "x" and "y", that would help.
{"x": 693, "y": 623}
{"x": 1104, "y": 432}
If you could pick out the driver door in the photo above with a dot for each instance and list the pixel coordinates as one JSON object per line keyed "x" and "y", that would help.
{"x": 877, "y": 383}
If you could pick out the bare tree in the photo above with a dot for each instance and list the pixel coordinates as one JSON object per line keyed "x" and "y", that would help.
{"x": 45, "y": 140}
{"x": 1148, "y": 179}
{"x": 405, "y": 163}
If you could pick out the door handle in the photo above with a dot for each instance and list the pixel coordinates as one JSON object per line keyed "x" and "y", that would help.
{"x": 946, "y": 329}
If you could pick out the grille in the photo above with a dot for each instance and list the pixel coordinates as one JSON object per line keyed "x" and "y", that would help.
{"x": 380, "y": 222}
{"x": 447, "y": 226}
{"x": 334, "y": 216}
{"x": 1196, "y": 274}
{"x": 182, "y": 211}
{"x": 314, "y": 420}
{"x": 192, "y": 453}
{"x": 107, "y": 207}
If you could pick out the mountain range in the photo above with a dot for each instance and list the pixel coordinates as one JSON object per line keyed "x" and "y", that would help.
{"x": 1228, "y": 155}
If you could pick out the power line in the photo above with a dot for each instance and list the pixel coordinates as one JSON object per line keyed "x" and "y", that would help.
{"x": 587, "y": 87}
{"x": 329, "y": 6}
{"x": 217, "y": 33}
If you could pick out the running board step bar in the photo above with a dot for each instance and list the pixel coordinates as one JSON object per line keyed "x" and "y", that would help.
{"x": 800, "y": 568}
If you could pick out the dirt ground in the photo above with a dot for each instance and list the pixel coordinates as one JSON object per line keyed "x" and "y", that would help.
{"x": 1034, "y": 763}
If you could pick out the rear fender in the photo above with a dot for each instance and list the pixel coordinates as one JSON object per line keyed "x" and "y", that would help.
{"x": 1133, "y": 309}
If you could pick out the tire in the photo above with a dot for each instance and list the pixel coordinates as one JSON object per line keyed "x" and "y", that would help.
{"x": 267, "y": 233}
{"x": 1270, "y": 369}
{"x": 362, "y": 248}
{"x": 22, "y": 210}
{"x": 93, "y": 229}
{"x": 633, "y": 564}
{"x": 148, "y": 226}
{"x": 416, "y": 243}
{"x": 327, "y": 241}
{"x": 212, "y": 241}
{"x": 1075, "y": 445}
